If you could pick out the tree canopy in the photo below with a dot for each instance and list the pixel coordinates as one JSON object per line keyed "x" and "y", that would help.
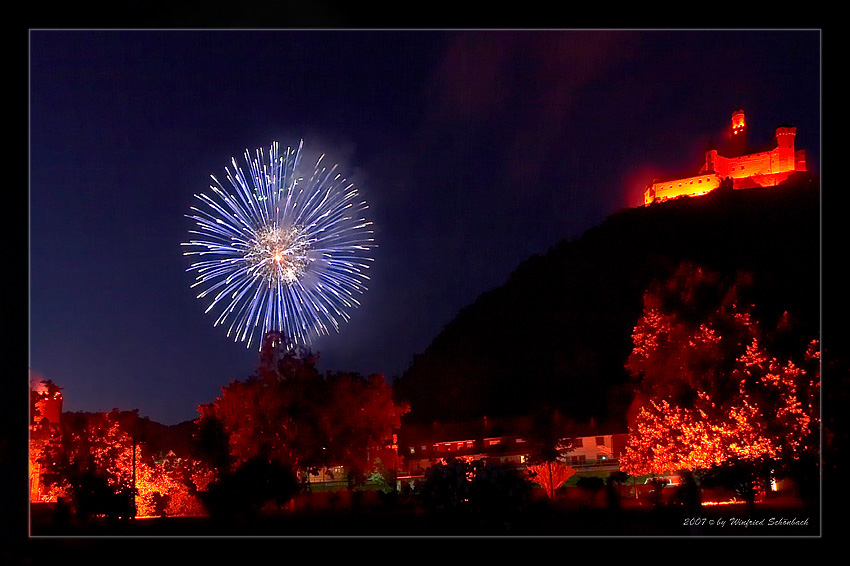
{"x": 710, "y": 388}
{"x": 290, "y": 414}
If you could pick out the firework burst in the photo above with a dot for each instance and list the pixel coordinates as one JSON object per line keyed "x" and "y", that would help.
{"x": 281, "y": 251}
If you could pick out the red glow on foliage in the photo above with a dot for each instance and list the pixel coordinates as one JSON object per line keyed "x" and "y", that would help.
{"x": 710, "y": 390}
{"x": 551, "y": 475}
{"x": 287, "y": 414}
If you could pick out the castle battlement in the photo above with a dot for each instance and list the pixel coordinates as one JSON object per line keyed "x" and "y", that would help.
{"x": 745, "y": 170}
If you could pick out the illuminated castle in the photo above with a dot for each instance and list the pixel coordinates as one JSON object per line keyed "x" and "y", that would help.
{"x": 745, "y": 170}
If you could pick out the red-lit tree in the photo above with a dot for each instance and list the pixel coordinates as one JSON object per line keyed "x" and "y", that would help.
{"x": 90, "y": 458}
{"x": 550, "y": 445}
{"x": 551, "y": 475}
{"x": 288, "y": 413}
{"x": 710, "y": 391}
{"x": 272, "y": 414}
{"x": 168, "y": 487}
{"x": 359, "y": 419}
{"x": 253, "y": 417}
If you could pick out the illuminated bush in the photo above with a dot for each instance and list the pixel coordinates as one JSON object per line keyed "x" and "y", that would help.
{"x": 711, "y": 391}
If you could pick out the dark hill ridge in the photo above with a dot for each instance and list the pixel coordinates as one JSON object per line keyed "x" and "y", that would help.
{"x": 558, "y": 332}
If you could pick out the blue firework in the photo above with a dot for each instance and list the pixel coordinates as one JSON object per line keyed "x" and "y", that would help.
{"x": 281, "y": 251}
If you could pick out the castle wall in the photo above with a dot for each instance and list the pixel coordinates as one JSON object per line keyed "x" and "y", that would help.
{"x": 781, "y": 159}
{"x": 761, "y": 169}
{"x": 689, "y": 186}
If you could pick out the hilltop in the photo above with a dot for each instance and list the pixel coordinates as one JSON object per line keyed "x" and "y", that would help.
{"x": 558, "y": 331}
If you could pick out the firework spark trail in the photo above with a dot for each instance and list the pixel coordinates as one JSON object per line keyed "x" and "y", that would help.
{"x": 281, "y": 253}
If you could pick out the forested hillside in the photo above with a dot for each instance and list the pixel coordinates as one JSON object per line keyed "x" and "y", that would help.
{"x": 558, "y": 332}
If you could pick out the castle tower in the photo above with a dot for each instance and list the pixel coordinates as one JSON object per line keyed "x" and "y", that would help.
{"x": 738, "y": 137}
{"x": 785, "y": 156}
{"x": 47, "y": 402}
{"x": 738, "y": 123}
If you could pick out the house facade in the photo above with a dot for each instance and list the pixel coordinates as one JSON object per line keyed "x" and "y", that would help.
{"x": 506, "y": 441}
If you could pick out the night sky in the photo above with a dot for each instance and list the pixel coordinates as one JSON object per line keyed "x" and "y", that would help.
{"x": 474, "y": 150}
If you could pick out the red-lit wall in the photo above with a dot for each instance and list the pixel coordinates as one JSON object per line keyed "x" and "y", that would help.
{"x": 689, "y": 186}
{"x": 50, "y": 408}
{"x": 762, "y": 169}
